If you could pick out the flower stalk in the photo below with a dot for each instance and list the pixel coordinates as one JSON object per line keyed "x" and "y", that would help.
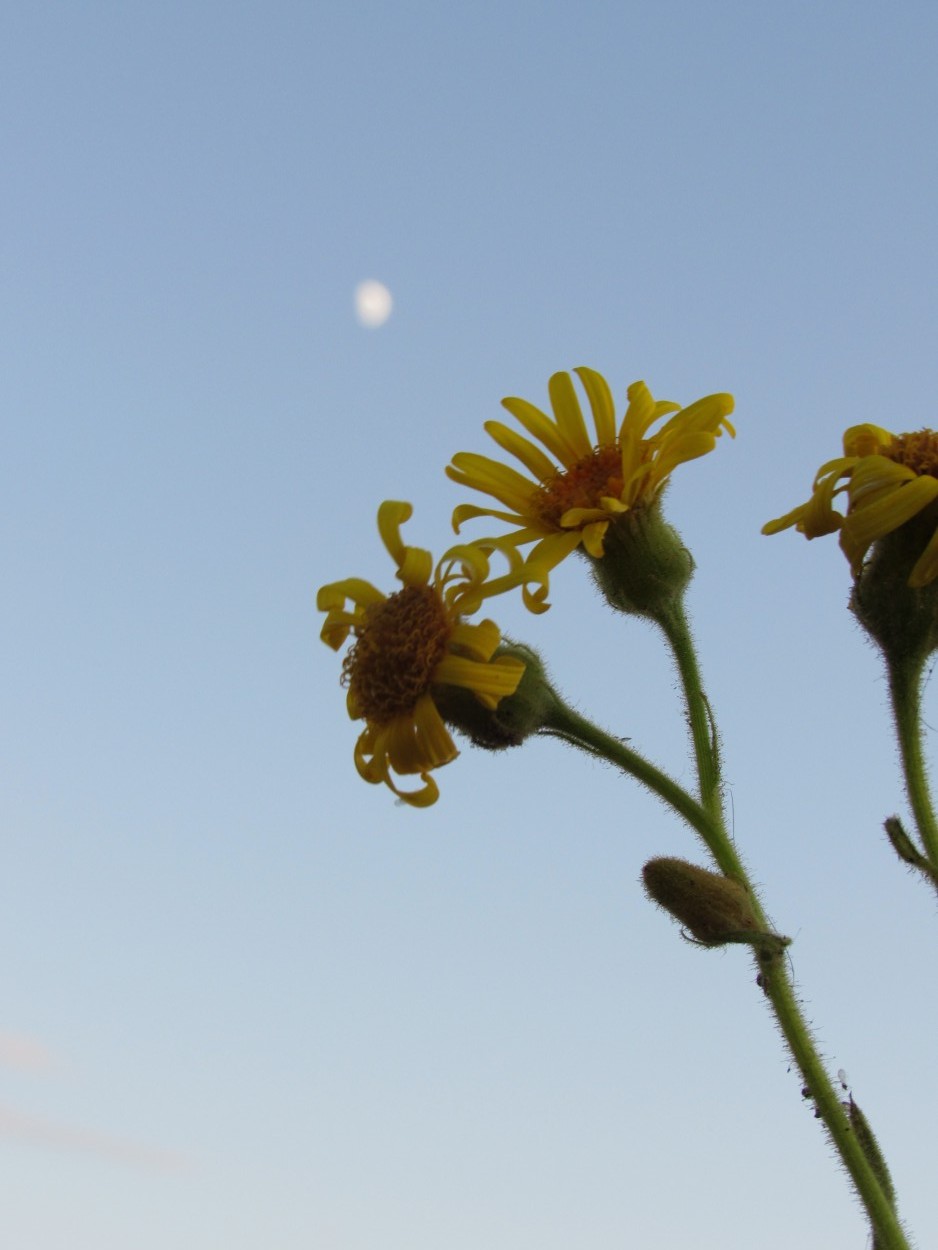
{"x": 773, "y": 971}
{"x": 673, "y": 621}
{"x": 417, "y": 667}
{"x": 774, "y": 975}
{"x": 905, "y": 688}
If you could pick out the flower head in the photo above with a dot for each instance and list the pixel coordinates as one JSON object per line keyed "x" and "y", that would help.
{"x": 579, "y": 484}
{"x": 889, "y": 480}
{"x": 411, "y": 642}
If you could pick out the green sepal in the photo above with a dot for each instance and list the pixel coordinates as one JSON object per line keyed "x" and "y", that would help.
{"x": 645, "y": 566}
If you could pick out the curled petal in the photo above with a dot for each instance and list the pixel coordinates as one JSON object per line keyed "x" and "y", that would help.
{"x": 478, "y": 640}
{"x": 409, "y": 644}
{"x": 336, "y": 628}
{"x": 416, "y": 567}
{"x": 375, "y": 770}
{"x": 391, "y": 516}
{"x": 817, "y": 516}
{"x": 866, "y": 440}
{"x": 335, "y": 594}
{"x": 872, "y": 520}
{"x": 544, "y": 557}
{"x": 875, "y": 476}
{"x": 420, "y": 740}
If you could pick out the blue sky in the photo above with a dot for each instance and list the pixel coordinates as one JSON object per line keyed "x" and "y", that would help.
{"x": 248, "y": 1000}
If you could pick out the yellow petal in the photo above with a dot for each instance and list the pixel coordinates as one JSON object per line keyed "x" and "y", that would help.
{"x": 640, "y": 413}
{"x": 926, "y": 567}
{"x": 615, "y": 506}
{"x": 416, "y": 567}
{"x": 709, "y": 413}
{"x": 355, "y": 588}
{"x": 568, "y": 413}
{"x": 677, "y": 450}
{"x": 576, "y": 518}
{"x": 492, "y": 478}
{"x": 543, "y": 557}
{"x": 866, "y": 440}
{"x": 371, "y": 760}
{"x": 432, "y": 738}
{"x": 336, "y": 628}
{"x": 593, "y": 538}
{"x": 489, "y": 682}
{"x": 871, "y": 521}
{"x": 601, "y": 404}
{"x": 391, "y": 516}
{"x": 783, "y": 522}
{"x": 818, "y": 516}
{"x": 370, "y": 755}
{"x": 470, "y": 511}
{"x": 533, "y": 459}
{"x": 874, "y": 477}
{"x": 479, "y": 639}
{"x": 541, "y": 426}
{"x": 417, "y": 742}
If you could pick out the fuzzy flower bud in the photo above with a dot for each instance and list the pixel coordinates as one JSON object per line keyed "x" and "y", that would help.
{"x": 645, "y": 566}
{"x": 713, "y": 908}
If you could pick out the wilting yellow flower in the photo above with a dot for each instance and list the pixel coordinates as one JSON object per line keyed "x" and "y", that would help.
{"x": 584, "y": 484}
{"x": 888, "y": 479}
{"x": 412, "y": 641}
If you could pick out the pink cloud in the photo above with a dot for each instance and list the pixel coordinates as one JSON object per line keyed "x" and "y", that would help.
{"x": 27, "y": 1054}
{"x": 42, "y": 1132}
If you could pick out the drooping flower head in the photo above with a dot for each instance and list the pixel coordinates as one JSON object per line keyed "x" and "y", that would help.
{"x": 408, "y": 644}
{"x": 581, "y": 484}
{"x": 889, "y": 480}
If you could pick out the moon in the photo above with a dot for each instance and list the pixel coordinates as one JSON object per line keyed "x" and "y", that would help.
{"x": 373, "y": 303}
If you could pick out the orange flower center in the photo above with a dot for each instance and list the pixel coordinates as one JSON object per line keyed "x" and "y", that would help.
{"x": 396, "y": 652}
{"x": 580, "y": 485}
{"x": 918, "y": 452}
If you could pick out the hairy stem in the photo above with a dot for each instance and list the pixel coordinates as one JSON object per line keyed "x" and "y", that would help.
{"x": 673, "y": 621}
{"x": 774, "y": 976}
{"x": 905, "y": 688}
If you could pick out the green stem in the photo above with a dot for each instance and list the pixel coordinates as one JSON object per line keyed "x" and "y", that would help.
{"x": 905, "y": 687}
{"x": 774, "y": 977}
{"x": 563, "y": 722}
{"x": 777, "y": 985}
{"x": 673, "y": 620}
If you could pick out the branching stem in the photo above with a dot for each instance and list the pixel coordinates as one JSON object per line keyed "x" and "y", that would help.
{"x": 706, "y": 818}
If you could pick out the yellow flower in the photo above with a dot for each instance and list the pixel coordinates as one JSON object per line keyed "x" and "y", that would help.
{"x": 410, "y": 642}
{"x": 583, "y": 484}
{"x": 888, "y": 479}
